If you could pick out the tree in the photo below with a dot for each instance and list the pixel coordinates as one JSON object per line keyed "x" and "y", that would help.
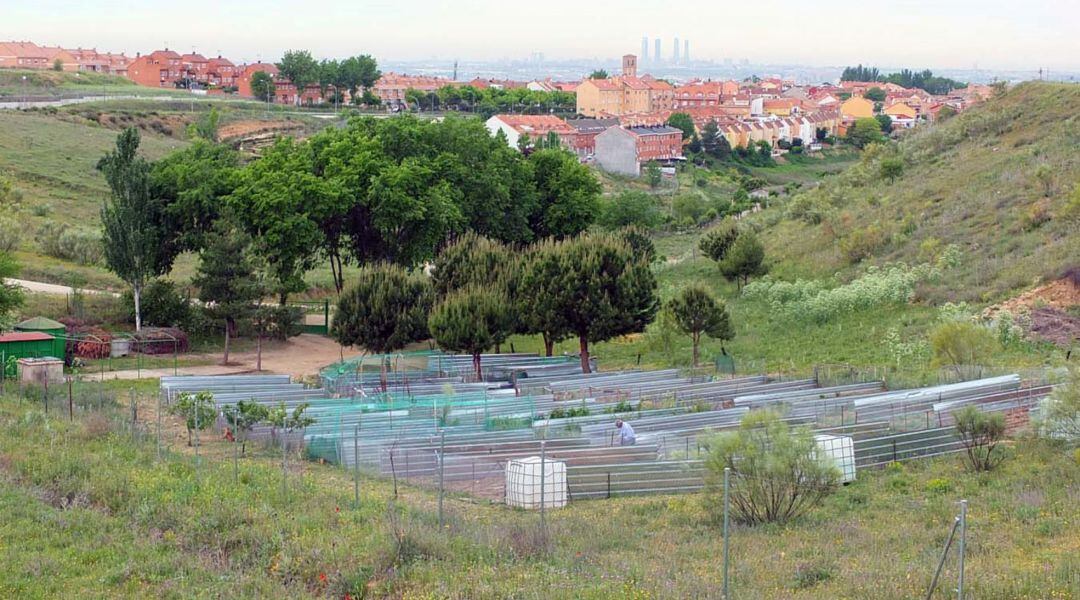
{"x": 630, "y": 207}
{"x": 472, "y": 320}
{"x": 717, "y": 241}
{"x": 697, "y": 312}
{"x": 1060, "y": 411}
{"x": 885, "y": 122}
{"x": 641, "y": 246}
{"x": 591, "y": 287}
{"x": 136, "y": 247}
{"x": 777, "y": 473}
{"x": 524, "y": 143}
{"x": 206, "y": 127}
{"x": 384, "y": 310}
{"x": 568, "y": 194}
{"x": 891, "y": 168}
{"x": 960, "y": 343}
{"x": 471, "y": 260}
{"x": 653, "y": 174}
{"x": 300, "y": 69}
{"x": 875, "y": 94}
{"x": 197, "y": 410}
{"x": 682, "y": 122}
{"x": 860, "y": 73}
{"x": 745, "y": 259}
{"x": 276, "y": 322}
{"x": 193, "y": 184}
{"x": 287, "y": 422}
{"x": 228, "y": 279}
{"x": 262, "y": 86}
{"x": 598, "y": 74}
{"x": 243, "y": 417}
{"x": 865, "y": 132}
{"x": 357, "y": 72}
{"x": 945, "y": 113}
{"x": 11, "y": 296}
{"x": 980, "y": 433}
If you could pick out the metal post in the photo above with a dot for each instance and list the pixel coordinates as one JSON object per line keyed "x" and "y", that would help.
{"x": 963, "y": 542}
{"x": 727, "y": 477}
{"x": 543, "y": 478}
{"x": 944, "y": 555}
{"x": 71, "y": 406}
{"x": 356, "y": 465}
{"x": 442, "y": 456}
{"x": 196, "y": 406}
{"x": 159, "y": 425}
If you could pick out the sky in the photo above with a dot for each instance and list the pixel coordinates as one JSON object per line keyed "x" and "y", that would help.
{"x": 953, "y": 34}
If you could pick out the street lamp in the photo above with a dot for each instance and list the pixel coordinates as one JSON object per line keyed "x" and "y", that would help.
{"x": 25, "y": 101}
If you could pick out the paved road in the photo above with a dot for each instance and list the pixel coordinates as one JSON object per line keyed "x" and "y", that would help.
{"x": 52, "y": 288}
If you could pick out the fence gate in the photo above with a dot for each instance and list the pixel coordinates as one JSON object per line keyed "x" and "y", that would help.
{"x": 316, "y": 316}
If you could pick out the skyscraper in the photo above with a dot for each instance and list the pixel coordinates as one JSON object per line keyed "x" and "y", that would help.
{"x": 686, "y": 51}
{"x": 675, "y": 56}
{"x": 656, "y": 51}
{"x": 644, "y": 49}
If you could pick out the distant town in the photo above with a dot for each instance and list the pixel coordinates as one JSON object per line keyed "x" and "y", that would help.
{"x": 621, "y": 121}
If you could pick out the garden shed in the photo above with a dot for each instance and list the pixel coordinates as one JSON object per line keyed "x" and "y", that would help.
{"x": 55, "y": 329}
{"x": 23, "y": 344}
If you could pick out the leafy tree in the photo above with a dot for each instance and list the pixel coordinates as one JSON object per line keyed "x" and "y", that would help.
{"x": 980, "y": 433}
{"x": 242, "y": 417}
{"x": 328, "y": 74}
{"x": 164, "y": 305}
{"x": 288, "y": 422}
{"x": 682, "y": 122}
{"x": 885, "y": 121}
{"x": 875, "y": 94}
{"x": 206, "y": 127}
{"x": 960, "y": 343}
{"x": 891, "y": 168}
{"x": 860, "y": 73}
{"x": 697, "y": 312}
{"x": 653, "y": 174}
{"x": 568, "y": 194}
{"x": 745, "y": 259}
{"x": 228, "y": 279}
{"x": 471, "y": 260}
{"x": 357, "y": 72}
{"x": 472, "y": 320}
{"x": 136, "y": 246}
{"x": 630, "y": 207}
{"x": 11, "y": 296}
{"x": 262, "y": 86}
{"x": 864, "y": 132}
{"x": 58, "y": 65}
{"x": 945, "y": 113}
{"x": 717, "y": 241}
{"x": 598, "y": 74}
{"x": 197, "y": 410}
{"x": 193, "y": 184}
{"x": 524, "y": 143}
{"x": 300, "y": 69}
{"x": 590, "y": 287}
{"x": 384, "y": 310}
{"x": 777, "y": 473}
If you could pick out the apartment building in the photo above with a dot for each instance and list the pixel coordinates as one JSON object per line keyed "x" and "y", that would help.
{"x": 624, "y": 149}
{"x": 624, "y": 94}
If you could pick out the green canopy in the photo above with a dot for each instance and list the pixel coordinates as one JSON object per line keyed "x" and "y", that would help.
{"x": 41, "y": 324}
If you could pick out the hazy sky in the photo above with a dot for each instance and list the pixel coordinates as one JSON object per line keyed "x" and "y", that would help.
{"x": 1002, "y": 34}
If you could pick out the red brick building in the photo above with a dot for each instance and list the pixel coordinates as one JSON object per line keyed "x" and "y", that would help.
{"x": 161, "y": 68}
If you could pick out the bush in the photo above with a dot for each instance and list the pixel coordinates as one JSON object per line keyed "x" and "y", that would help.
{"x": 959, "y": 343}
{"x": 78, "y": 244}
{"x": 1060, "y": 411}
{"x": 630, "y": 208}
{"x": 862, "y": 243}
{"x": 689, "y": 207}
{"x": 162, "y": 305}
{"x": 10, "y": 234}
{"x": 777, "y": 473}
{"x": 980, "y": 433}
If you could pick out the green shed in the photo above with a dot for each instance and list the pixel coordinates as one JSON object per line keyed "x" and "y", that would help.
{"x": 57, "y": 330}
{"x": 23, "y": 344}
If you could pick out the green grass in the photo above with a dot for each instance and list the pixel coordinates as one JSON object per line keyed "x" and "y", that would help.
{"x": 55, "y": 83}
{"x": 89, "y": 511}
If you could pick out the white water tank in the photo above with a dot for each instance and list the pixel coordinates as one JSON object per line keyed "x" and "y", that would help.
{"x": 523, "y": 483}
{"x": 840, "y": 449}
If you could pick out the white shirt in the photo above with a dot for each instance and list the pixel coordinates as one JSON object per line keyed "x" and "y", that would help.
{"x": 626, "y": 435}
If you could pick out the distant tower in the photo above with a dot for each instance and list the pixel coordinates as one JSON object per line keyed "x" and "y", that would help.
{"x": 644, "y": 49}
{"x": 455, "y": 70}
{"x": 629, "y": 65}
{"x": 656, "y": 51}
{"x": 686, "y": 51}
{"x": 675, "y": 56}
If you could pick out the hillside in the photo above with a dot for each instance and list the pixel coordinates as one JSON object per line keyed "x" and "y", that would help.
{"x": 993, "y": 180}
{"x": 48, "y": 84}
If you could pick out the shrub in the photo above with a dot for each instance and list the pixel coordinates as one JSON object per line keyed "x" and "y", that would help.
{"x": 10, "y": 234}
{"x": 959, "y": 343}
{"x": 939, "y": 486}
{"x": 980, "y": 433}
{"x": 1060, "y": 411}
{"x": 689, "y": 207}
{"x": 862, "y": 243}
{"x": 630, "y": 208}
{"x": 777, "y": 473}
{"x": 809, "y": 575}
{"x": 1038, "y": 214}
{"x": 162, "y": 305}
{"x": 197, "y": 410}
{"x": 78, "y": 244}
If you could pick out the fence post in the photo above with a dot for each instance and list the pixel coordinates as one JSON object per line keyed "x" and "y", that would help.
{"x": 543, "y": 480}
{"x": 159, "y": 425}
{"x": 944, "y": 555}
{"x": 727, "y": 477}
{"x": 963, "y": 543}
{"x": 71, "y": 404}
{"x": 356, "y": 465}
{"x": 442, "y": 455}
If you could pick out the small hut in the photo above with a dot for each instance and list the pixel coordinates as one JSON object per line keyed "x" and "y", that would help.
{"x": 55, "y": 329}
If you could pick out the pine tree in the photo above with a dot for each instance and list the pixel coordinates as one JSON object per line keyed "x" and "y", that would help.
{"x": 228, "y": 278}
{"x": 745, "y": 259}
{"x": 697, "y": 312}
{"x": 472, "y": 320}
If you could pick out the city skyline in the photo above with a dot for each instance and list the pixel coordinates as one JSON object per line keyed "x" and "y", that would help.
{"x": 916, "y": 33}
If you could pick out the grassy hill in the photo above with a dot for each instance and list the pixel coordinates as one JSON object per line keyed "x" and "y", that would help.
{"x": 89, "y": 509}
{"x": 993, "y": 180}
{"x": 45, "y": 84}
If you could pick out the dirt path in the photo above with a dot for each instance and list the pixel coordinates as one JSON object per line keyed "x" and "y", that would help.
{"x": 51, "y": 288}
{"x": 301, "y": 356}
